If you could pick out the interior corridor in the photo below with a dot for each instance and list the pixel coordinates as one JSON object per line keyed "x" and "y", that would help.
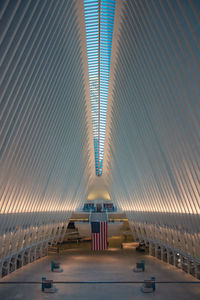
{"x": 112, "y": 265}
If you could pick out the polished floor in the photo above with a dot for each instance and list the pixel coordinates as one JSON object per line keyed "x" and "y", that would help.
{"x": 83, "y": 265}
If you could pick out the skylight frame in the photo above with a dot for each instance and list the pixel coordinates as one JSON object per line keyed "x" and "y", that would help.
{"x": 99, "y": 33}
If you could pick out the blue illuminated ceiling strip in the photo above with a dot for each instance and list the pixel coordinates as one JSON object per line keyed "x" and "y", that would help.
{"x": 99, "y": 52}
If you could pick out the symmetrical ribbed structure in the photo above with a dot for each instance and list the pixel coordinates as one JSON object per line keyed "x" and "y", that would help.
{"x": 151, "y": 151}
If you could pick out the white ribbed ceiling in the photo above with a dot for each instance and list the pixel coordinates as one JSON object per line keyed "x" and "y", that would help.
{"x": 44, "y": 146}
{"x": 153, "y": 145}
{"x": 155, "y": 134}
{"x": 152, "y": 142}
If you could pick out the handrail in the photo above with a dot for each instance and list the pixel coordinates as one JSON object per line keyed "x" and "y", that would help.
{"x": 101, "y": 282}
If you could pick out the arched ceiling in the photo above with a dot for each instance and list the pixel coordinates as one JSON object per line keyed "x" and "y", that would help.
{"x": 151, "y": 155}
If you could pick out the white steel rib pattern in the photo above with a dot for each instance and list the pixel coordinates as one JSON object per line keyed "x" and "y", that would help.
{"x": 45, "y": 163}
{"x": 152, "y": 156}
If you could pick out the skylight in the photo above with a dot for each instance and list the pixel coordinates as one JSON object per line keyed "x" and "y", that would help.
{"x": 99, "y": 32}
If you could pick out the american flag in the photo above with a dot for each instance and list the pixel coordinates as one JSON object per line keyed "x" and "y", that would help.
{"x": 99, "y": 235}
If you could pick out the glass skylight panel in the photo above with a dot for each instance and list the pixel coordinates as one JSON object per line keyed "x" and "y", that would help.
{"x": 99, "y": 56}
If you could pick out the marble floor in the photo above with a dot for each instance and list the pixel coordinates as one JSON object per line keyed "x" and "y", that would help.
{"x": 114, "y": 264}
